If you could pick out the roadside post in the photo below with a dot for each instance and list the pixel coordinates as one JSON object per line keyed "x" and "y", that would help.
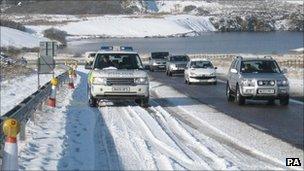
{"x": 11, "y": 128}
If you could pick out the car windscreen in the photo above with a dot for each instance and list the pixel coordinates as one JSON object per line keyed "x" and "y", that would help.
{"x": 159, "y": 55}
{"x": 201, "y": 64}
{"x": 259, "y": 66}
{"x": 119, "y": 61}
{"x": 179, "y": 58}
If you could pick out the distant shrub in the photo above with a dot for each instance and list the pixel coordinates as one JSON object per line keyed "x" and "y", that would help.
{"x": 56, "y": 34}
{"x": 12, "y": 24}
{"x": 189, "y": 8}
{"x": 202, "y": 11}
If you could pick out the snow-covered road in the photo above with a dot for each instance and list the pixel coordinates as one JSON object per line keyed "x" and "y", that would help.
{"x": 125, "y": 136}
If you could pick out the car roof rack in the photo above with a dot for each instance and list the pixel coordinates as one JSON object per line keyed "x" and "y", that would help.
{"x": 268, "y": 57}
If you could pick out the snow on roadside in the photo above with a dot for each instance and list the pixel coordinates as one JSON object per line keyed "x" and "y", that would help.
{"x": 13, "y": 91}
{"x": 133, "y": 26}
{"x": 19, "y": 39}
{"x": 66, "y": 137}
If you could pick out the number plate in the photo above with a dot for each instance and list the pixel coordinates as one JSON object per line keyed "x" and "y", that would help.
{"x": 266, "y": 91}
{"x": 121, "y": 89}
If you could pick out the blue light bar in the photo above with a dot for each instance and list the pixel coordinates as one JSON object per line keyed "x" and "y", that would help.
{"x": 106, "y": 48}
{"x": 126, "y": 48}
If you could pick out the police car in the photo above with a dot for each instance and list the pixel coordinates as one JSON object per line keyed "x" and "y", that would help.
{"x": 117, "y": 73}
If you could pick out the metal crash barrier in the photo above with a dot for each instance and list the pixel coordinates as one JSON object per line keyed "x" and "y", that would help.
{"x": 24, "y": 111}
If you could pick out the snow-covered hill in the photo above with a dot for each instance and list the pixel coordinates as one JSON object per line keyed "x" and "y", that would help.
{"x": 133, "y": 26}
{"x": 19, "y": 39}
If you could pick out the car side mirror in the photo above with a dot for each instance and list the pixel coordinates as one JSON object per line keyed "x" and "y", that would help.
{"x": 284, "y": 71}
{"x": 150, "y": 58}
{"x": 146, "y": 67}
{"x": 234, "y": 71}
{"x": 88, "y": 66}
{"x": 215, "y": 67}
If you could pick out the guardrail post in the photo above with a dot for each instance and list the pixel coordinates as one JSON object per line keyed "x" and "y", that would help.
{"x": 22, "y": 131}
{"x": 11, "y": 128}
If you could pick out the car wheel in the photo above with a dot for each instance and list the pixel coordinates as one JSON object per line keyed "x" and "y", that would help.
{"x": 91, "y": 100}
{"x": 229, "y": 96}
{"x": 214, "y": 83}
{"x": 186, "y": 82}
{"x": 284, "y": 101}
{"x": 271, "y": 102}
{"x": 170, "y": 74}
{"x": 239, "y": 98}
{"x": 144, "y": 102}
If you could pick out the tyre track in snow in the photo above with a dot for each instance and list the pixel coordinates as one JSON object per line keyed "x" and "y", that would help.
{"x": 235, "y": 149}
{"x": 157, "y": 139}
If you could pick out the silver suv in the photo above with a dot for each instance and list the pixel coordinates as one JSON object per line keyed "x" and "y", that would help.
{"x": 258, "y": 79}
{"x": 176, "y": 64}
{"x": 158, "y": 60}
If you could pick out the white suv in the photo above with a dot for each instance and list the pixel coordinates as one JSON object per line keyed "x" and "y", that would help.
{"x": 117, "y": 75}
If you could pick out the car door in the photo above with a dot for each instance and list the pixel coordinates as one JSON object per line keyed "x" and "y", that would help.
{"x": 168, "y": 63}
{"x": 234, "y": 76}
{"x": 187, "y": 70}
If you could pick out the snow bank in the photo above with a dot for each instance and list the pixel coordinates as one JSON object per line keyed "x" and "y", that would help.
{"x": 18, "y": 39}
{"x": 14, "y": 91}
{"x": 133, "y": 26}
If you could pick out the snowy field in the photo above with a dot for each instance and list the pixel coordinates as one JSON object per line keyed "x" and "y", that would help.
{"x": 19, "y": 39}
{"x": 164, "y": 136}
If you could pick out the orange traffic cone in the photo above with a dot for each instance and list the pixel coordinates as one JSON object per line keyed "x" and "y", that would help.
{"x": 71, "y": 82}
{"x": 11, "y": 128}
{"x": 52, "y": 98}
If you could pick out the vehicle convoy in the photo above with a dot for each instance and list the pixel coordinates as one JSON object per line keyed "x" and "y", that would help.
{"x": 158, "y": 60}
{"x": 89, "y": 57}
{"x": 117, "y": 74}
{"x": 200, "y": 71}
{"x": 258, "y": 79}
{"x": 176, "y": 64}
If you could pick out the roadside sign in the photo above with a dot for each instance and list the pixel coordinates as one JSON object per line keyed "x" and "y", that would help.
{"x": 46, "y": 62}
{"x": 48, "y": 48}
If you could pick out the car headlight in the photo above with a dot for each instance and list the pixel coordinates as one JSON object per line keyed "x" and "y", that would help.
{"x": 283, "y": 82}
{"x": 212, "y": 74}
{"x": 99, "y": 80}
{"x": 172, "y": 66}
{"x": 193, "y": 74}
{"x": 272, "y": 83}
{"x": 248, "y": 83}
{"x": 141, "y": 80}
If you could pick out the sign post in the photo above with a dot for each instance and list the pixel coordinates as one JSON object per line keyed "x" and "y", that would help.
{"x": 46, "y": 62}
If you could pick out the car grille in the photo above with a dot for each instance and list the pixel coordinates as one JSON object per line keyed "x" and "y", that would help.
{"x": 120, "y": 81}
{"x": 181, "y": 65}
{"x": 161, "y": 63}
{"x": 264, "y": 82}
